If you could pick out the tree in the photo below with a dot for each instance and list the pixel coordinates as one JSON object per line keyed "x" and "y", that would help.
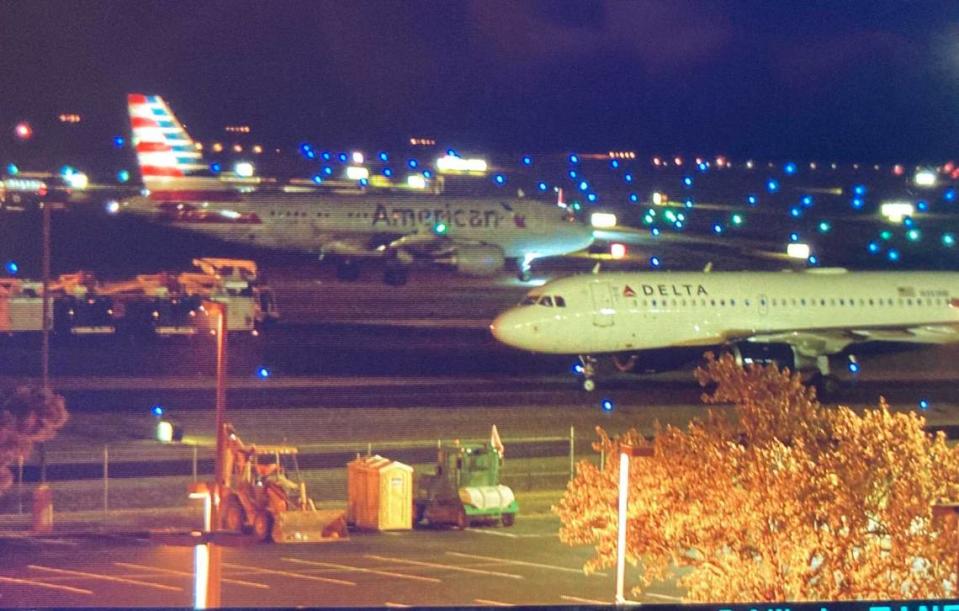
{"x": 27, "y": 416}
{"x": 776, "y": 498}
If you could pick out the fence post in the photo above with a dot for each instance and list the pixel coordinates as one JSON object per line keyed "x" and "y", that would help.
{"x": 20, "y": 484}
{"x": 369, "y": 448}
{"x": 106, "y": 478}
{"x": 572, "y": 452}
{"x": 194, "y": 462}
{"x": 602, "y": 460}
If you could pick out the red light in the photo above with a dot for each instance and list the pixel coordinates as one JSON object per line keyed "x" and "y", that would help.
{"x": 617, "y": 250}
{"x": 898, "y": 170}
{"x": 23, "y": 131}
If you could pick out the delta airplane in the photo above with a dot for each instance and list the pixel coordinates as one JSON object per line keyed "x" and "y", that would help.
{"x": 797, "y": 319}
{"x": 473, "y": 236}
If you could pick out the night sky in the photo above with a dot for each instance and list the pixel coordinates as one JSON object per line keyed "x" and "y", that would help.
{"x": 873, "y": 80}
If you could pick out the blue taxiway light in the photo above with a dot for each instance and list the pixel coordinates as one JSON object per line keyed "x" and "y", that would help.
{"x": 607, "y": 405}
{"x": 157, "y": 410}
{"x": 263, "y": 373}
{"x": 772, "y": 185}
{"x": 11, "y": 267}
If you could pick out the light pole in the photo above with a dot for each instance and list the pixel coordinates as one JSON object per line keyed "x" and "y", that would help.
{"x": 45, "y": 325}
{"x": 219, "y": 466}
{"x": 625, "y": 453}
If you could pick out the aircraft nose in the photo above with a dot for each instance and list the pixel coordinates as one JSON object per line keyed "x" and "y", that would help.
{"x": 507, "y": 329}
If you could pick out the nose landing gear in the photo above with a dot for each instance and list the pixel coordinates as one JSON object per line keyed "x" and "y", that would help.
{"x": 588, "y": 370}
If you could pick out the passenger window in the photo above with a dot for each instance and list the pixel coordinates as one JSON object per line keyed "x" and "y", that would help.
{"x": 560, "y": 302}
{"x": 545, "y": 300}
{"x": 530, "y": 300}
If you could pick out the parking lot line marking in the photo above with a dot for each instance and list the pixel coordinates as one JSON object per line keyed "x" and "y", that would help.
{"x": 448, "y": 567}
{"x": 40, "y": 584}
{"x": 663, "y": 596}
{"x": 361, "y": 569}
{"x": 492, "y": 603}
{"x": 522, "y": 563}
{"x": 136, "y": 582}
{"x": 239, "y": 582}
{"x": 257, "y": 569}
{"x": 495, "y": 533}
{"x": 586, "y": 601}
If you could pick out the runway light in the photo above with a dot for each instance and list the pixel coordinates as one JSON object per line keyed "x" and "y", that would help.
{"x": 824, "y": 226}
{"x": 859, "y": 190}
{"x": 794, "y": 237}
{"x": 772, "y": 185}
{"x": 157, "y": 410}
{"x": 795, "y": 212}
{"x": 123, "y": 176}
{"x": 790, "y": 168}
{"x": 606, "y": 405}
{"x": 317, "y": 179}
{"x": 614, "y": 164}
{"x": 12, "y": 169}
{"x": 885, "y": 234}
{"x": 655, "y": 231}
{"x": 412, "y": 163}
{"x": 328, "y": 170}
{"x": 949, "y": 195}
{"x": 633, "y": 198}
{"x": 853, "y": 367}
{"x": 628, "y": 177}
{"x": 813, "y": 260}
{"x": 499, "y": 179}
{"x": 592, "y": 197}
{"x": 263, "y": 373}
{"x": 119, "y": 142}
{"x": 654, "y": 262}
{"x": 752, "y": 200}
{"x": 577, "y": 368}
{"x": 541, "y": 186}
{"x": 617, "y": 250}
{"x": 584, "y": 186}
{"x": 357, "y": 157}
{"x": 922, "y": 205}
{"x": 11, "y": 267}
{"x": 215, "y": 167}
{"x": 893, "y": 255}
{"x": 440, "y": 228}
{"x": 737, "y": 220}
{"x": 873, "y": 248}
{"x": 342, "y": 157}
{"x": 807, "y": 201}
{"x": 689, "y": 202}
{"x": 383, "y": 156}
{"x": 112, "y": 206}
{"x": 687, "y": 181}
{"x": 527, "y": 160}
{"x": 717, "y": 228}
{"x": 913, "y": 235}
{"x": 948, "y": 240}
{"x": 387, "y": 172}
{"x": 573, "y": 158}
{"x": 923, "y": 404}
{"x": 908, "y": 222}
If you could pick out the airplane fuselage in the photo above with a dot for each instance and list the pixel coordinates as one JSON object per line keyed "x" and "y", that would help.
{"x": 312, "y": 222}
{"x": 627, "y": 312}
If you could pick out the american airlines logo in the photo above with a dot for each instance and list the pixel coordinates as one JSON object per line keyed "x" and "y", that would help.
{"x": 454, "y": 217}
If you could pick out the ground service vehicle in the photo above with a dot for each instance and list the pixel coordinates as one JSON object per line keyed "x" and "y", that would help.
{"x": 465, "y": 488}
{"x": 264, "y": 498}
{"x": 160, "y": 304}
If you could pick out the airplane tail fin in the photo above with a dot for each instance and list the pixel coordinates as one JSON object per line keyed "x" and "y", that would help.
{"x": 164, "y": 149}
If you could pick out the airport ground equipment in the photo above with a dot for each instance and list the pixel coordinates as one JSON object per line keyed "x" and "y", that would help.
{"x": 465, "y": 488}
{"x": 266, "y": 497}
{"x": 160, "y": 304}
{"x": 379, "y": 494}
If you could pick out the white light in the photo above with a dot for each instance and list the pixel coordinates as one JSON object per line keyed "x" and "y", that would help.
{"x": 660, "y": 199}
{"x": 617, "y": 250}
{"x": 113, "y": 206}
{"x": 77, "y": 180}
{"x": 602, "y": 220}
{"x": 164, "y": 431}
{"x": 452, "y": 164}
{"x": 416, "y": 181}
{"x": 243, "y": 169}
{"x": 230, "y": 214}
{"x": 925, "y": 178}
{"x": 798, "y": 250}
{"x": 357, "y": 157}
{"x": 895, "y": 212}
{"x": 356, "y": 172}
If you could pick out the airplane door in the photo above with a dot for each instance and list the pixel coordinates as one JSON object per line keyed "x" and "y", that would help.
{"x": 603, "y": 310}
{"x": 763, "y": 305}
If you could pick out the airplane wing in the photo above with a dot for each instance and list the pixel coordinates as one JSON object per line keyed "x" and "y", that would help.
{"x": 817, "y": 342}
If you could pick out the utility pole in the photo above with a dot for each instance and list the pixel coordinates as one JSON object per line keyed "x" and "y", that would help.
{"x": 45, "y": 331}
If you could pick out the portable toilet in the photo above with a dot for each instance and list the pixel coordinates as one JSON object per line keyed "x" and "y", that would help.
{"x": 379, "y": 494}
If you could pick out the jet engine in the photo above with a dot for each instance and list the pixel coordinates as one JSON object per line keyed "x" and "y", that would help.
{"x": 476, "y": 260}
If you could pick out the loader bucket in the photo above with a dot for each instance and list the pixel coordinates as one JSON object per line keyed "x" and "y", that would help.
{"x": 310, "y": 526}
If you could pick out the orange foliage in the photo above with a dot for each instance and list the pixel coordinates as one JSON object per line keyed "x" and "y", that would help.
{"x": 776, "y": 498}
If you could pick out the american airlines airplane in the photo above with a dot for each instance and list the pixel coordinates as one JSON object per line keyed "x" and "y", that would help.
{"x": 473, "y": 236}
{"x": 797, "y": 319}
